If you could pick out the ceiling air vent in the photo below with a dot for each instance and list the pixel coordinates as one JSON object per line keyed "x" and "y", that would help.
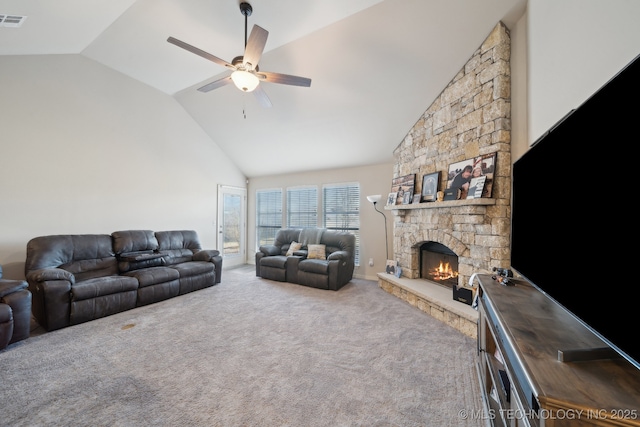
{"x": 13, "y": 21}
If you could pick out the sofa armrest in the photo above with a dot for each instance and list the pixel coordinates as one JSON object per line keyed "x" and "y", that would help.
{"x": 11, "y": 286}
{"x": 51, "y": 296}
{"x": 270, "y": 250}
{"x": 213, "y": 256}
{"x": 303, "y": 253}
{"x": 339, "y": 255}
{"x": 206, "y": 255}
{"x": 47, "y": 274}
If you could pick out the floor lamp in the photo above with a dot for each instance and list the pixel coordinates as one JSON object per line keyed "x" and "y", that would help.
{"x": 375, "y": 199}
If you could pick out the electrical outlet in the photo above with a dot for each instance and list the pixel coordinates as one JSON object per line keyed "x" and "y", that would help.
{"x": 370, "y": 262}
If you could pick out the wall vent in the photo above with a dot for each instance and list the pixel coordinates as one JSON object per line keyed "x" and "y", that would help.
{"x": 13, "y": 21}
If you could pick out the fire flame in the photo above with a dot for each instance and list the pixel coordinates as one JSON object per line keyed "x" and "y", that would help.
{"x": 444, "y": 272}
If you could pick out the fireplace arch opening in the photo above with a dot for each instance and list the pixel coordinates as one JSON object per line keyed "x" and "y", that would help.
{"x": 438, "y": 264}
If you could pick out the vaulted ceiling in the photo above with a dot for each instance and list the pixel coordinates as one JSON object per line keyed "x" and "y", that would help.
{"x": 375, "y": 65}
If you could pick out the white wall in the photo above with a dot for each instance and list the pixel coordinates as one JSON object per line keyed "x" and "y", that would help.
{"x": 374, "y": 179}
{"x": 519, "y": 130}
{"x": 575, "y": 47}
{"x": 88, "y": 150}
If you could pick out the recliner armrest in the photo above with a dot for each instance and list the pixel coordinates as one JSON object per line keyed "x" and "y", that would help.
{"x": 270, "y": 250}
{"x": 339, "y": 255}
{"x": 206, "y": 255}
{"x": 11, "y": 286}
{"x": 212, "y": 256}
{"x": 45, "y": 274}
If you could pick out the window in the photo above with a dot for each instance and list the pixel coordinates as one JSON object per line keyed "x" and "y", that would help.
{"x": 302, "y": 207}
{"x": 341, "y": 210}
{"x": 268, "y": 215}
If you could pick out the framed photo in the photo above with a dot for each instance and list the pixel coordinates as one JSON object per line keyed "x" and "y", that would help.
{"x": 391, "y": 266}
{"x": 406, "y": 198}
{"x": 430, "y": 184}
{"x": 401, "y": 185}
{"x": 416, "y": 198}
{"x": 476, "y": 186}
{"x": 461, "y": 173}
{"x": 487, "y": 166}
{"x": 391, "y": 198}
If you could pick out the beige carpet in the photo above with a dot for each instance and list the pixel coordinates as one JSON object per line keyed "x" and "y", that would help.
{"x": 247, "y": 352}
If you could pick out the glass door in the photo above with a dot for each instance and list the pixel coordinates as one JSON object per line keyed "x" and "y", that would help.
{"x": 232, "y": 224}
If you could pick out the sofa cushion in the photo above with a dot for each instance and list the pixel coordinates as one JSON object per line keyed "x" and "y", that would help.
{"x": 101, "y": 286}
{"x": 154, "y": 276}
{"x": 193, "y": 268}
{"x": 311, "y": 236}
{"x": 316, "y": 252}
{"x": 83, "y": 255}
{"x": 176, "y": 256}
{"x": 131, "y": 241}
{"x": 277, "y": 261}
{"x": 178, "y": 239}
{"x": 316, "y": 266}
{"x": 285, "y": 236}
{"x": 178, "y": 246}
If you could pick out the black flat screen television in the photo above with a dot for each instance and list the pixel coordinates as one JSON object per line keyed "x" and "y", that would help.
{"x": 573, "y": 213}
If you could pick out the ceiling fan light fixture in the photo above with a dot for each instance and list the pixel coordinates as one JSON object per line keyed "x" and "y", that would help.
{"x": 244, "y": 80}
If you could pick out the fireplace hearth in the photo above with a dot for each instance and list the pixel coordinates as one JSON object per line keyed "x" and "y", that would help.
{"x": 439, "y": 264}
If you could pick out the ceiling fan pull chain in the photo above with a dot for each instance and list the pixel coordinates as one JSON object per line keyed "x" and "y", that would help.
{"x": 244, "y": 106}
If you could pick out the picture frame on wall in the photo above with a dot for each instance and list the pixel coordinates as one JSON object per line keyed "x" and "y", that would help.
{"x": 430, "y": 184}
{"x": 461, "y": 173}
{"x": 391, "y": 198}
{"x": 401, "y": 185}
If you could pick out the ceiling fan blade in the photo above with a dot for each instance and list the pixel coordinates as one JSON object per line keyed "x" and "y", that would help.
{"x": 262, "y": 97}
{"x": 216, "y": 84}
{"x": 200, "y": 52}
{"x": 255, "y": 46}
{"x": 284, "y": 79}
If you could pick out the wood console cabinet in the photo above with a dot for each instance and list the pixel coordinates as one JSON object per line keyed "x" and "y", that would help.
{"x": 520, "y": 332}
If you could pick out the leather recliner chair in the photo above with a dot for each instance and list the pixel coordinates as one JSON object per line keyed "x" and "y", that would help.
{"x": 331, "y": 269}
{"x": 15, "y": 311}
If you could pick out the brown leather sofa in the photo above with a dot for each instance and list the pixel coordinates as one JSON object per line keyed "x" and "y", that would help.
{"x": 78, "y": 278}
{"x": 15, "y": 311}
{"x": 331, "y": 269}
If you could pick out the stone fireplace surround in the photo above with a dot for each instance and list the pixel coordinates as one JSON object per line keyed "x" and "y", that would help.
{"x": 470, "y": 118}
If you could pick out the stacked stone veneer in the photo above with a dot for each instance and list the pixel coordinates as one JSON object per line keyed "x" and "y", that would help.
{"x": 471, "y": 117}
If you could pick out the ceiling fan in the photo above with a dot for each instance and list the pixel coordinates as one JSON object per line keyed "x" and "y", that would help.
{"x": 246, "y": 75}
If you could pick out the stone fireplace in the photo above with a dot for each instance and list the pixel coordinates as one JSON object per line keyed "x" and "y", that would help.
{"x": 470, "y": 118}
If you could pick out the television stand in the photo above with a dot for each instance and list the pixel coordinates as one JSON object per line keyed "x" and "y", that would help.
{"x": 587, "y": 354}
{"x": 523, "y": 384}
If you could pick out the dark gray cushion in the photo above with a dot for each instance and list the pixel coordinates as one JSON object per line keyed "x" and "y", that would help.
{"x": 129, "y": 241}
{"x": 154, "y": 276}
{"x": 277, "y": 261}
{"x": 102, "y": 286}
{"x": 83, "y": 255}
{"x": 317, "y": 266}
